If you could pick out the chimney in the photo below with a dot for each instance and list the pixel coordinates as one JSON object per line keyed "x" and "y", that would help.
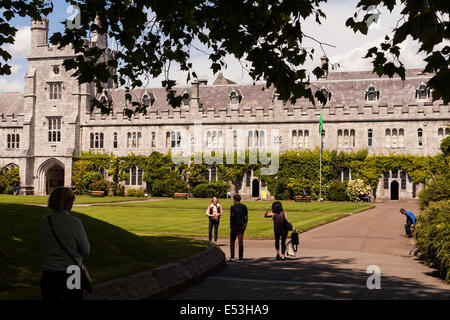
{"x": 324, "y": 65}
{"x": 98, "y": 40}
{"x": 39, "y": 33}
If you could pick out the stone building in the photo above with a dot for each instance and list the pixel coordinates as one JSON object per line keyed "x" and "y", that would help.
{"x": 53, "y": 120}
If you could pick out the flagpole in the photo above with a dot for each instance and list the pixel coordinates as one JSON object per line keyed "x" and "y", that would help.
{"x": 320, "y": 190}
{"x": 320, "y": 161}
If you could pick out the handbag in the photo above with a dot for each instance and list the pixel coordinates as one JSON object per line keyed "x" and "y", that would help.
{"x": 287, "y": 225}
{"x": 86, "y": 282}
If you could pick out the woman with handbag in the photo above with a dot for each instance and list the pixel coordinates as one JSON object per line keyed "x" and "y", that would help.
{"x": 281, "y": 227}
{"x": 214, "y": 212}
{"x": 64, "y": 244}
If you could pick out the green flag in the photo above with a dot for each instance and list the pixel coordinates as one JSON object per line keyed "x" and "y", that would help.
{"x": 320, "y": 125}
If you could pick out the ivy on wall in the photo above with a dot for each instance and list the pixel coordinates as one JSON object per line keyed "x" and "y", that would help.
{"x": 298, "y": 170}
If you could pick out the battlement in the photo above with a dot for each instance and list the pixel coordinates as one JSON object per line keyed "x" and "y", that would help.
{"x": 276, "y": 113}
{"x": 36, "y": 24}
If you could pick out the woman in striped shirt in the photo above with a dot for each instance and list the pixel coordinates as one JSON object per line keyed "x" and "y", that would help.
{"x": 56, "y": 283}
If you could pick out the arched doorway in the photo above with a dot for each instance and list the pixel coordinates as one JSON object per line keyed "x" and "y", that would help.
{"x": 255, "y": 188}
{"x": 54, "y": 178}
{"x": 394, "y": 190}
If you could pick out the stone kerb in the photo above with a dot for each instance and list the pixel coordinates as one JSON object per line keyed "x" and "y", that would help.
{"x": 162, "y": 281}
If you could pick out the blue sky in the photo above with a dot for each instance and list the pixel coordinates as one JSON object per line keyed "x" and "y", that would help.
{"x": 348, "y": 52}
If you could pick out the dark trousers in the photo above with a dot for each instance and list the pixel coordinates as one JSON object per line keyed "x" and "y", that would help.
{"x": 283, "y": 237}
{"x": 54, "y": 287}
{"x": 213, "y": 224}
{"x": 239, "y": 233}
{"x": 408, "y": 229}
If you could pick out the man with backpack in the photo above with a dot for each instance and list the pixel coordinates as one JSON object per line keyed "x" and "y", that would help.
{"x": 238, "y": 224}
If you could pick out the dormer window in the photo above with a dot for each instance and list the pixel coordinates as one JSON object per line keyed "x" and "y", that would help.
{"x": 275, "y": 96}
{"x": 106, "y": 99}
{"x": 372, "y": 94}
{"x": 422, "y": 93}
{"x": 326, "y": 93}
{"x": 186, "y": 100}
{"x": 235, "y": 97}
{"x": 148, "y": 99}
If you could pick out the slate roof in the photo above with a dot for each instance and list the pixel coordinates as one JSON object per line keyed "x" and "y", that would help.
{"x": 347, "y": 88}
{"x": 11, "y": 103}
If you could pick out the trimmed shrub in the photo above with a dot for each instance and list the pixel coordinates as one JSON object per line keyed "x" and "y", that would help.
{"x": 337, "y": 191}
{"x": 9, "y": 177}
{"x": 100, "y": 185}
{"x": 135, "y": 192}
{"x": 282, "y": 190}
{"x": 432, "y": 236}
{"x": 217, "y": 189}
{"x": 117, "y": 189}
{"x": 438, "y": 189}
{"x": 167, "y": 187}
{"x": 3, "y": 184}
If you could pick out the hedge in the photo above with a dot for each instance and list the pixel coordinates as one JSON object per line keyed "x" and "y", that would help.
{"x": 432, "y": 235}
{"x": 208, "y": 190}
{"x": 135, "y": 192}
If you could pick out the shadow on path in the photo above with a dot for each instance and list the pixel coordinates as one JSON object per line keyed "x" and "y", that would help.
{"x": 312, "y": 277}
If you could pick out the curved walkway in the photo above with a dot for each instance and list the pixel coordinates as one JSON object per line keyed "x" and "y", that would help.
{"x": 331, "y": 264}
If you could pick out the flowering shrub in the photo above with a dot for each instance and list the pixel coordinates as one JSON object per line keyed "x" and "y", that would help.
{"x": 357, "y": 190}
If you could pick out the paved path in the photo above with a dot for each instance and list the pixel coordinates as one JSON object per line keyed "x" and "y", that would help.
{"x": 331, "y": 264}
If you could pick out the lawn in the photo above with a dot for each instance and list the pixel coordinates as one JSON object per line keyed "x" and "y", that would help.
{"x": 7, "y": 198}
{"x": 115, "y": 252}
{"x": 187, "y": 217}
{"x": 130, "y": 237}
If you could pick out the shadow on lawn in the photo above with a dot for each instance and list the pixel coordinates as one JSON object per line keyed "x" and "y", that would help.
{"x": 304, "y": 278}
{"x": 115, "y": 252}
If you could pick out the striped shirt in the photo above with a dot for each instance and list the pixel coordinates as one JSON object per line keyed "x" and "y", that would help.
{"x": 71, "y": 233}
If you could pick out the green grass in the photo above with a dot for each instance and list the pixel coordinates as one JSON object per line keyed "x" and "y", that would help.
{"x": 115, "y": 251}
{"x": 7, "y": 198}
{"x": 347, "y": 207}
{"x": 187, "y": 217}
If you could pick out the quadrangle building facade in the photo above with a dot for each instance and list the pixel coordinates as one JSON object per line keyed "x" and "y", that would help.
{"x": 53, "y": 120}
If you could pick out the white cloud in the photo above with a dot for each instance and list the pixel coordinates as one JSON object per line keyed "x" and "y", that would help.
{"x": 15, "y": 69}
{"x": 22, "y": 43}
{"x": 354, "y": 60}
{"x": 8, "y": 85}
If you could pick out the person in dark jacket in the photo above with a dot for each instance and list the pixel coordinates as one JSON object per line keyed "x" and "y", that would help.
{"x": 410, "y": 221}
{"x": 279, "y": 217}
{"x": 238, "y": 224}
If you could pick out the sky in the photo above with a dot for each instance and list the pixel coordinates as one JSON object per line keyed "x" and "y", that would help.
{"x": 348, "y": 51}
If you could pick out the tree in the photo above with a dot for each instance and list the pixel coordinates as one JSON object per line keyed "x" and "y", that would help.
{"x": 153, "y": 35}
{"x": 425, "y": 21}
